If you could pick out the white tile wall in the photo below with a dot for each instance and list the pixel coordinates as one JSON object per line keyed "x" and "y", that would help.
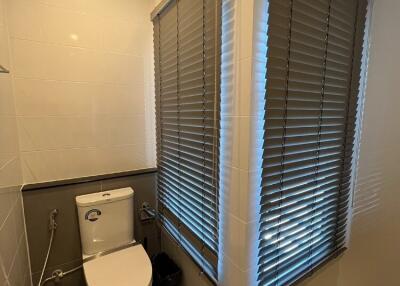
{"x": 14, "y": 262}
{"x": 243, "y": 89}
{"x": 83, "y": 85}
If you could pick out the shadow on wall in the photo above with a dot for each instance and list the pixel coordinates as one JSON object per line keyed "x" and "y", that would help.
{"x": 367, "y": 197}
{"x": 370, "y": 185}
{"x": 366, "y": 204}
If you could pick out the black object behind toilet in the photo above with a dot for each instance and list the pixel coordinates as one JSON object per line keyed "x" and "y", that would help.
{"x": 165, "y": 271}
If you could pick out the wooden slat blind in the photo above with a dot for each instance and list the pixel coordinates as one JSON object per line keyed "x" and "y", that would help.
{"x": 313, "y": 73}
{"x": 186, "y": 41}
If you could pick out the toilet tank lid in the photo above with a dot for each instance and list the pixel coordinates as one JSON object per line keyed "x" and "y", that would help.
{"x": 104, "y": 197}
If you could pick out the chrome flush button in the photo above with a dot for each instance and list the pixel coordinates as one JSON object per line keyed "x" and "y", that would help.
{"x": 93, "y": 215}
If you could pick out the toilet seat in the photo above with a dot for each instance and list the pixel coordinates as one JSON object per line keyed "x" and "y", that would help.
{"x": 126, "y": 267}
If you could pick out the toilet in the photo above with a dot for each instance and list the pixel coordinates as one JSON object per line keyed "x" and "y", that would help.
{"x": 111, "y": 256}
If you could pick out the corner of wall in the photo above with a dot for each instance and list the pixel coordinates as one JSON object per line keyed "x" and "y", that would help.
{"x": 14, "y": 258}
{"x": 243, "y": 90}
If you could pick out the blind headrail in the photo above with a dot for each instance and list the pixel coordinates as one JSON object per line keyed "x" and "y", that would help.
{"x": 159, "y": 8}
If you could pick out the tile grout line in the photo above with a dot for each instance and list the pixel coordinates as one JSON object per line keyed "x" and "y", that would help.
{"x": 11, "y": 209}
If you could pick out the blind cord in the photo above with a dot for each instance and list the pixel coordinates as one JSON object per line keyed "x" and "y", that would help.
{"x": 160, "y": 193}
{"x": 320, "y": 122}
{"x": 215, "y": 147}
{"x": 179, "y": 120}
{"x": 204, "y": 135}
{"x": 285, "y": 119}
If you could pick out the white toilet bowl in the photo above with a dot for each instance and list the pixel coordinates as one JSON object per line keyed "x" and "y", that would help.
{"x": 110, "y": 254}
{"x": 126, "y": 267}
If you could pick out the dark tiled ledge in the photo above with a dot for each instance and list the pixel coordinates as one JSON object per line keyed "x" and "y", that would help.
{"x": 37, "y": 186}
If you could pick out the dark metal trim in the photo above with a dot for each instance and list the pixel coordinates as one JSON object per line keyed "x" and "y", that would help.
{"x": 59, "y": 183}
{"x": 330, "y": 258}
{"x": 159, "y": 8}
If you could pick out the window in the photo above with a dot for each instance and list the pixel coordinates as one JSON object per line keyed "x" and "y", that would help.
{"x": 313, "y": 74}
{"x": 187, "y": 63}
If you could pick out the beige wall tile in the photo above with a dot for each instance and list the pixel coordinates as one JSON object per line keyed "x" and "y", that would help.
{"x": 121, "y": 158}
{"x": 6, "y": 97}
{"x": 9, "y": 241}
{"x": 25, "y": 19}
{"x": 56, "y": 132}
{"x": 1, "y": 13}
{"x": 10, "y": 173}
{"x": 124, "y": 36}
{"x": 19, "y": 273}
{"x": 4, "y": 54}
{"x": 13, "y": 260}
{"x": 120, "y": 9}
{"x": 83, "y": 82}
{"x": 8, "y": 135}
{"x": 53, "y": 98}
{"x": 245, "y": 87}
{"x": 8, "y": 197}
{"x": 74, "y": 5}
{"x": 47, "y": 165}
{"x": 27, "y": 59}
{"x": 66, "y": 27}
{"x": 245, "y": 23}
{"x": 232, "y": 274}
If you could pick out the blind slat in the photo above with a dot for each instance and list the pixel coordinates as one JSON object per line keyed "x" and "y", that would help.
{"x": 310, "y": 111}
{"x": 186, "y": 45}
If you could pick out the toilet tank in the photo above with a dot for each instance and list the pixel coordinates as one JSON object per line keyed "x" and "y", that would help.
{"x": 105, "y": 220}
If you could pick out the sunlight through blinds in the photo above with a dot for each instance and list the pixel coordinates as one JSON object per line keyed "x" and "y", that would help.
{"x": 186, "y": 41}
{"x": 313, "y": 74}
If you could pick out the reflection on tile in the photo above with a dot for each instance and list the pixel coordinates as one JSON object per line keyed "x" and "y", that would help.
{"x": 66, "y": 27}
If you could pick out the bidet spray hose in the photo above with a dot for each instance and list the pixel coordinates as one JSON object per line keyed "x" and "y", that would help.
{"x": 52, "y": 227}
{"x": 59, "y": 274}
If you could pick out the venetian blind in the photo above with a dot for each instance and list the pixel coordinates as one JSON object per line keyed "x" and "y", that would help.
{"x": 186, "y": 41}
{"x": 313, "y": 73}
